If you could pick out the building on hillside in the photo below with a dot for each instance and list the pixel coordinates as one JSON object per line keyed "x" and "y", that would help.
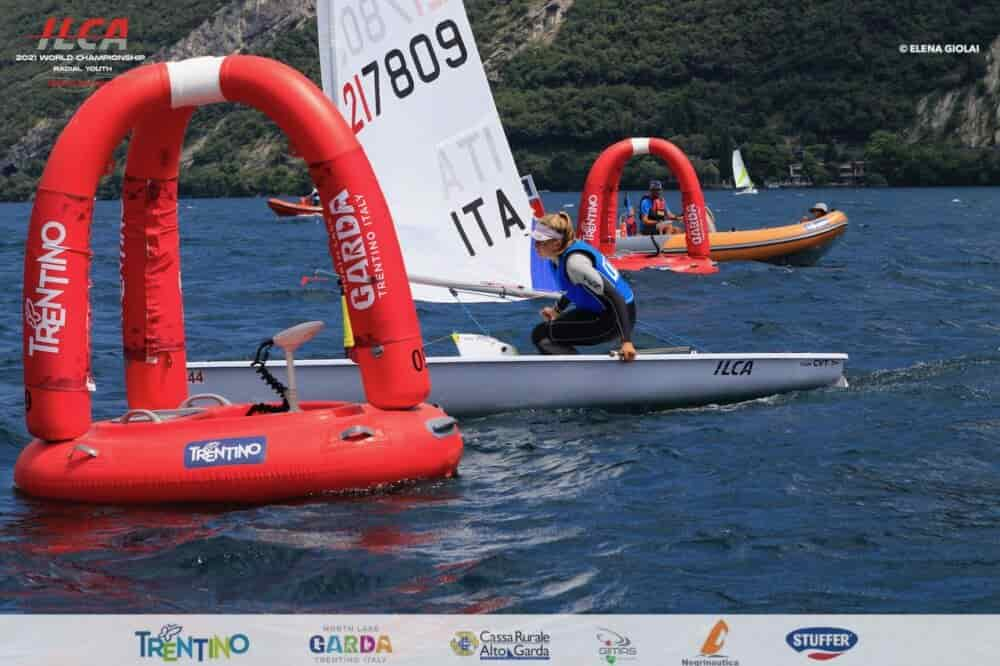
{"x": 796, "y": 176}
{"x": 851, "y": 173}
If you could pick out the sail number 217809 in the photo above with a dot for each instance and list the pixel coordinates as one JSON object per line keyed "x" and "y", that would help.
{"x": 402, "y": 71}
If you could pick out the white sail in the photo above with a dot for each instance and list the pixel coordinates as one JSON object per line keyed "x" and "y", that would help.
{"x": 407, "y": 76}
{"x": 741, "y": 179}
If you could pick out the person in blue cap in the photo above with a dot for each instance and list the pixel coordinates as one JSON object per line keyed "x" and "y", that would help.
{"x": 654, "y": 215}
{"x": 604, "y": 305}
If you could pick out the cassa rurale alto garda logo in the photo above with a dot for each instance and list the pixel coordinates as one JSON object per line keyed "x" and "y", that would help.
{"x": 464, "y": 643}
{"x": 503, "y": 645}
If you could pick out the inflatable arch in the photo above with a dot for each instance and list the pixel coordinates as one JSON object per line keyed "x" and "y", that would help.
{"x": 156, "y": 101}
{"x": 598, "y": 209}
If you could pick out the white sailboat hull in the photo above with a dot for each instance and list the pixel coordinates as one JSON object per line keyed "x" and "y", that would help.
{"x": 464, "y": 386}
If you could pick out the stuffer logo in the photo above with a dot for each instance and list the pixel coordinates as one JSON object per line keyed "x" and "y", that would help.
{"x": 822, "y": 643}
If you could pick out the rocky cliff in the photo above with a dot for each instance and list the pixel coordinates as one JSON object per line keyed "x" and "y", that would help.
{"x": 969, "y": 114}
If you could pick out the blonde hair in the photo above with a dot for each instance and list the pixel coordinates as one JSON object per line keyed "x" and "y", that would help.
{"x": 562, "y": 223}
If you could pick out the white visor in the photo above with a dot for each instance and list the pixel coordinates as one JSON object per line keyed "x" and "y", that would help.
{"x": 543, "y": 233}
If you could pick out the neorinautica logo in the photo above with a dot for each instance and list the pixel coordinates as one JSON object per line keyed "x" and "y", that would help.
{"x": 822, "y": 643}
{"x": 170, "y": 644}
{"x": 711, "y": 650}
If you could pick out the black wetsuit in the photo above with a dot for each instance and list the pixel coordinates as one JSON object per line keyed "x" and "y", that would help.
{"x": 582, "y": 326}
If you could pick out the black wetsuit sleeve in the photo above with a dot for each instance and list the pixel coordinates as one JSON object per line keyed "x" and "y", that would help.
{"x": 563, "y": 303}
{"x": 613, "y": 300}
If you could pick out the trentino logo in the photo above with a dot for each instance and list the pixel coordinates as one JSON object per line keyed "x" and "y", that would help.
{"x": 171, "y": 645}
{"x": 615, "y": 647}
{"x": 233, "y": 451}
{"x": 822, "y": 643}
{"x": 711, "y": 649}
{"x": 464, "y": 643}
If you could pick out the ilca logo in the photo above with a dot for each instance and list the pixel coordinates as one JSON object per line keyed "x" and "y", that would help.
{"x": 822, "y": 643}
{"x": 615, "y": 647}
{"x": 711, "y": 650}
{"x": 464, "y": 643}
{"x": 112, "y": 32}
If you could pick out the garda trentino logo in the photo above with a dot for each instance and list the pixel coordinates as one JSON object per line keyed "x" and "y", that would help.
{"x": 170, "y": 644}
{"x": 711, "y": 650}
{"x": 822, "y": 643}
{"x": 351, "y": 644}
{"x": 234, "y": 451}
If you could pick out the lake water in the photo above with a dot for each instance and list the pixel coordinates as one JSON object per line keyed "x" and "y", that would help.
{"x": 881, "y": 498}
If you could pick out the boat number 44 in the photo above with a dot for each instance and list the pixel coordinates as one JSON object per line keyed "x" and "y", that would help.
{"x": 733, "y": 368}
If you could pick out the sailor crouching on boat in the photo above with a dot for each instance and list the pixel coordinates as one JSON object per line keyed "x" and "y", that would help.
{"x": 605, "y": 304}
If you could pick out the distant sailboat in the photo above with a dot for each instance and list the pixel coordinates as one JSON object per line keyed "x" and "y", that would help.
{"x": 741, "y": 179}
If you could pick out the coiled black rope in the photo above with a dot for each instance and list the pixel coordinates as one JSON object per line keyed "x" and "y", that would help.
{"x": 259, "y": 366}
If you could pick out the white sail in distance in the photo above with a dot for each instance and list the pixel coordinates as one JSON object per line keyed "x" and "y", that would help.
{"x": 741, "y": 179}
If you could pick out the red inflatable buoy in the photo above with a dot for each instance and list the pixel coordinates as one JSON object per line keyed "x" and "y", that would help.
{"x": 103, "y": 461}
{"x": 598, "y": 210}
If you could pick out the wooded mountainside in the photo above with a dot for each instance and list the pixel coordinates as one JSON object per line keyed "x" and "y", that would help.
{"x": 817, "y": 82}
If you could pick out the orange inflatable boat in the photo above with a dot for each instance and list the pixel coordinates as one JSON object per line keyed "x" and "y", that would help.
{"x": 799, "y": 244}
{"x": 693, "y": 251}
{"x": 303, "y": 207}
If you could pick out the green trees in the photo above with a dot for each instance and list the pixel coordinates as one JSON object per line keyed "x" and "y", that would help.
{"x": 816, "y": 73}
{"x": 893, "y": 161}
{"x": 822, "y": 76}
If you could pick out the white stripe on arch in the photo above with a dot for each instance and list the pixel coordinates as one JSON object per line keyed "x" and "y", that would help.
{"x": 640, "y": 146}
{"x": 195, "y": 81}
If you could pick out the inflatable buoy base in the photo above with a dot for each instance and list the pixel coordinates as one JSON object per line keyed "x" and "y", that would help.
{"x": 677, "y": 263}
{"x": 219, "y": 454}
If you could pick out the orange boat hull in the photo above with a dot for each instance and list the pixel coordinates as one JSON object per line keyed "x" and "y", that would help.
{"x": 291, "y": 209}
{"x": 794, "y": 244}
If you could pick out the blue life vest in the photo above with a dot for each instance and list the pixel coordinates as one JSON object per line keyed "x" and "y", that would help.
{"x": 576, "y": 293}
